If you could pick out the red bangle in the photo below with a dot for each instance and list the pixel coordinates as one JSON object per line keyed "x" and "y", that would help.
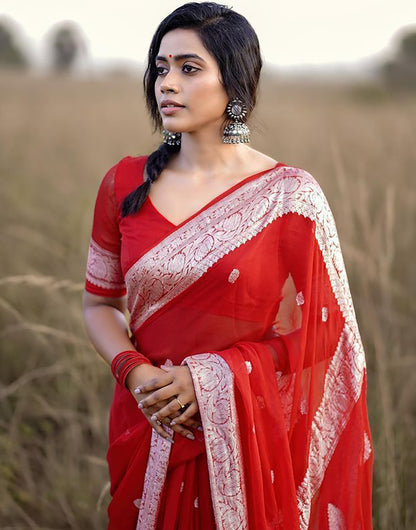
{"x": 124, "y": 362}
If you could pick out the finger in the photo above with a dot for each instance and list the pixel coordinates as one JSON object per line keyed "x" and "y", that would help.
{"x": 170, "y": 409}
{"x": 190, "y": 422}
{"x": 178, "y": 428}
{"x": 158, "y": 406}
{"x": 161, "y": 432}
{"x": 155, "y": 408}
{"x": 154, "y": 383}
{"x": 157, "y": 426}
{"x": 161, "y": 404}
{"x": 184, "y": 432}
{"x": 163, "y": 394}
{"x": 190, "y": 411}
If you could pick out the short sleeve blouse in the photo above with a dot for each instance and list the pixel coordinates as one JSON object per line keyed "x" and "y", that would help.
{"x": 104, "y": 276}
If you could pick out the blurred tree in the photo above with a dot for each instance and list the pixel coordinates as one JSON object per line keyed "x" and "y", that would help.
{"x": 66, "y": 46}
{"x": 400, "y": 72}
{"x": 408, "y": 47}
{"x": 11, "y": 56}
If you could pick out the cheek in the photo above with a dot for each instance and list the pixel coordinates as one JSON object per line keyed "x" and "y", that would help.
{"x": 212, "y": 96}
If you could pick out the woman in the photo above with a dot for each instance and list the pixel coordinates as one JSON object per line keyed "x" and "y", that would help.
{"x": 241, "y": 394}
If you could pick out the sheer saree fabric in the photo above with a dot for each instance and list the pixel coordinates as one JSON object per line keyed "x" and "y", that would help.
{"x": 251, "y": 293}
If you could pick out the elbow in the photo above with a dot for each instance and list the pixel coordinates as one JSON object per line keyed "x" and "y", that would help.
{"x": 90, "y": 300}
{"x": 87, "y": 303}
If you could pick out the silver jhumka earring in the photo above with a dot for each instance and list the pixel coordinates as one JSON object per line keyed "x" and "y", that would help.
{"x": 171, "y": 138}
{"x": 236, "y": 132}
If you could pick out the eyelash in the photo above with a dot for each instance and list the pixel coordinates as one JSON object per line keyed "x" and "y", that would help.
{"x": 184, "y": 66}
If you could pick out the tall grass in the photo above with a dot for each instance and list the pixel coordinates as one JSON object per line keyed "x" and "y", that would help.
{"x": 58, "y": 136}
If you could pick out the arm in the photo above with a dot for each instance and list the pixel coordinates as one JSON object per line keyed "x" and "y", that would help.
{"x": 101, "y": 313}
{"x": 107, "y": 329}
{"x": 105, "y": 300}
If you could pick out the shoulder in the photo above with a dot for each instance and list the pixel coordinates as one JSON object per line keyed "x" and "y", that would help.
{"x": 257, "y": 157}
{"x": 298, "y": 191}
{"x": 287, "y": 175}
{"x": 126, "y": 175}
{"x": 129, "y": 164}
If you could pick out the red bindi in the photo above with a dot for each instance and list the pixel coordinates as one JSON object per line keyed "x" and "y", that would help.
{"x": 170, "y": 55}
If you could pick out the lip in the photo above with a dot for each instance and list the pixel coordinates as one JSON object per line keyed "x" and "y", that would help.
{"x": 167, "y": 111}
{"x": 170, "y": 102}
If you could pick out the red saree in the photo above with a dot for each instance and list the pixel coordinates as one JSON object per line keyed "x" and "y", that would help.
{"x": 250, "y": 292}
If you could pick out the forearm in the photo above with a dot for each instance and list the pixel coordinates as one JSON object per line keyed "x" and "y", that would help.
{"x": 107, "y": 329}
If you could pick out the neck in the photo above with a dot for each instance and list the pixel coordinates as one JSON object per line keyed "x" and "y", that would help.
{"x": 203, "y": 153}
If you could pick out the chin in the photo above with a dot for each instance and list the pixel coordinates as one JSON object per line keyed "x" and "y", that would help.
{"x": 173, "y": 126}
{"x": 172, "y": 129}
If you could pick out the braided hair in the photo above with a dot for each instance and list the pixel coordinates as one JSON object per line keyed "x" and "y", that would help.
{"x": 154, "y": 166}
{"x": 230, "y": 38}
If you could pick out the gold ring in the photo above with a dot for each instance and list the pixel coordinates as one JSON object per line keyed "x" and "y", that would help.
{"x": 180, "y": 404}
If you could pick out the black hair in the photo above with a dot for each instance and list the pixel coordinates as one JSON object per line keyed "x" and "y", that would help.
{"x": 230, "y": 38}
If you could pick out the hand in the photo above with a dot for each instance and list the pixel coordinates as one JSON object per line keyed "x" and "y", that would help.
{"x": 175, "y": 383}
{"x": 141, "y": 375}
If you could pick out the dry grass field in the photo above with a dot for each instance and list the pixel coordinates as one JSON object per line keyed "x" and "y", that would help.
{"x": 58, "y": 136}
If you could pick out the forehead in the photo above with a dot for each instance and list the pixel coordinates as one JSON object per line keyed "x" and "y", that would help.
{"x": 180, "y": 41}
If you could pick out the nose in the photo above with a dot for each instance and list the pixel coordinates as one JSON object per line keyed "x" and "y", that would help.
{"x": 168, "y": 83}
{"x": 168, "y": 89}
{"x": 165, "y": 87}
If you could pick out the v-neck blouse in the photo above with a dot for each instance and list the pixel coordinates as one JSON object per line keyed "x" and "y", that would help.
{"x": 212, "y": 201}
{"x": 127, "y": 239}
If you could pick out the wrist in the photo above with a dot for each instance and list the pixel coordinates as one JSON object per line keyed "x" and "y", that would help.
{"x": 137, "y": 376}
{"x": 124, "y": 362}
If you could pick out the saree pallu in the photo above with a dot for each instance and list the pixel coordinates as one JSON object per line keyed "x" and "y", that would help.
{"x": 251, "y": 294}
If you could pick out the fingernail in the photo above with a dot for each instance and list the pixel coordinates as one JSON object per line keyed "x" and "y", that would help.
{"x": 172, "y": 422}
{"x": 138, "y": 390}
{"x": 154, "y": 417}
{"x": 190, "y": 436}
{"x": 140, "y": 405}
{"x": 170, "y": 440}
{"x": 200, "y": 428}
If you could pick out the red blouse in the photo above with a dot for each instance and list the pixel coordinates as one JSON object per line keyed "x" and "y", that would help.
{"x": 121, "y": 242}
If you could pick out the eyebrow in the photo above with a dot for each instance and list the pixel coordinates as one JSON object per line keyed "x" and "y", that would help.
{"x": 182, "y": 56}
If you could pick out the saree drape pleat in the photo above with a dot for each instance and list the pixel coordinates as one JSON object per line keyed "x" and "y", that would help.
{"x": 251, "y": 293}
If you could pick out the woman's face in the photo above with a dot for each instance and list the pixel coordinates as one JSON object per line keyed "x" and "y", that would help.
{"x": 194, "y": 82}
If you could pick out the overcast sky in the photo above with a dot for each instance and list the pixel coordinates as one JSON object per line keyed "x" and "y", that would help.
{"x": 293, "y": 32}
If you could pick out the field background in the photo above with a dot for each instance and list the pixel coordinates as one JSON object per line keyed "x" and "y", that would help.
{"x": 58, "y": 136}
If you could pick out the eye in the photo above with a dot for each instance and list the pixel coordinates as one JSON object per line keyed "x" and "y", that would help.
{"x": 192, "y": 70}
{"x": 189, "y": 66}
{"x": 158, "y": 68}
